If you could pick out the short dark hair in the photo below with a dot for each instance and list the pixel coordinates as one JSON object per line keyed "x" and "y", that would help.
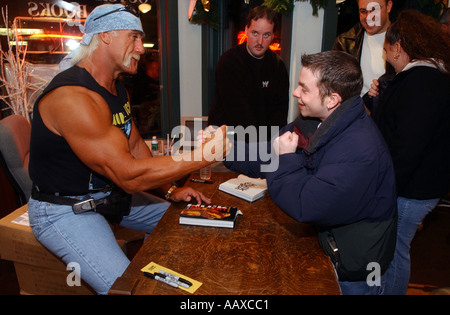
{"x": 336, "y": 72}
{"x": 262, "y": 12}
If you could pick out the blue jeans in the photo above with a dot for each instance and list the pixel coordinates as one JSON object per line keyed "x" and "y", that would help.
{"x": 410, "y": 215}
{"x": 87, "y": 238}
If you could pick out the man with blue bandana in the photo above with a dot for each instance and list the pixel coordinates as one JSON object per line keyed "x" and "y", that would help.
{"x": 88, "y": 163}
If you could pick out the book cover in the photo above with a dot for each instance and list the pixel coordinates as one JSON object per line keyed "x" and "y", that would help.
{"x": 216, "y": 216}
{"x": 245, "y": 187}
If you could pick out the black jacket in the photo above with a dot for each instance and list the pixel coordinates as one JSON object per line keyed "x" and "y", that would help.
{"x": 413, "y": 115}
{"x": 342, "y": 182}
{"x": 249, "y": 91}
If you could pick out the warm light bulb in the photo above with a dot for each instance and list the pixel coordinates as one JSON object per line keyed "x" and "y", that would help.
{"x": 144, "y": 7}
{"x": 72, "y": 44}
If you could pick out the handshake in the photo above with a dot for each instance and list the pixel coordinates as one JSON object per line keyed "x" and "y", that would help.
{"x": 211, "y": 145}
{"x": 214, "y": 143}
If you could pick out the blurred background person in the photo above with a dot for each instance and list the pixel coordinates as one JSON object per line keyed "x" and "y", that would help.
{"x": 252, "y": 83}
{"x": 144, "y": 90}
{"x": 413, "y": 114}
{"x": 365, "y": 39}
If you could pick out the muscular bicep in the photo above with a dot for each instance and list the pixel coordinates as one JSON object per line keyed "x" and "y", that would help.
{"x": 84, "y": 120}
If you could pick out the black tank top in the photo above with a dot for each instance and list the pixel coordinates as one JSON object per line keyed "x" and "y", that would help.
{"x": 53, "y": 165}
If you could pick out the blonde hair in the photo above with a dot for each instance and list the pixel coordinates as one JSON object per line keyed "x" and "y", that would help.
{"x": 85, "y": 51}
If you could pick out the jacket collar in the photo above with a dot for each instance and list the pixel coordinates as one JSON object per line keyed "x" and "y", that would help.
{"x": 324, "y": 131}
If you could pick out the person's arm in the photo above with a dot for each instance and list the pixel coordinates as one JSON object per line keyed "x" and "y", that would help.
{"x": 333, "y": 194}
{"x": 83, "y": 118}
{"x": 255, "y": 159}
{"x": 246, "y": 160}
{"x": 139, "y": 149}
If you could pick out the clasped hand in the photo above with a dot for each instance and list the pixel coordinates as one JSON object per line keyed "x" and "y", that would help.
{"x": 286, "y": 143}
{"x": 214, "y": 143}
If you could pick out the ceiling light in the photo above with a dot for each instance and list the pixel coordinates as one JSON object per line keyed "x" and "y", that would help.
{"x": 144, "y": 7}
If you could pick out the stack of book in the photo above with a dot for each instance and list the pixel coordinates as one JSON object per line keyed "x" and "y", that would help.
{"x": 216, "y": 216}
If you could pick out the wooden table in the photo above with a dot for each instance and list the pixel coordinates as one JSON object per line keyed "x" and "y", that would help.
{"x": 267, "y": 253}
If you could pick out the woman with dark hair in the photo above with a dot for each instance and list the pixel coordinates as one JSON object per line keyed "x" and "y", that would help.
{"x": 413, "y": 114}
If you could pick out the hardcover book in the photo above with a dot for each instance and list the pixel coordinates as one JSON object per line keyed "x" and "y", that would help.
{"x": 245, "y": 187}
{"x": 216, "y": 216}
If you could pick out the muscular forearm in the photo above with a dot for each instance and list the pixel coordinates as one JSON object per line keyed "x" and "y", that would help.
{"x": 154, "y": 172}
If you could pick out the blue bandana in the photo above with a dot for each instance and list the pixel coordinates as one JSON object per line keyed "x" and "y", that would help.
{"x": 99, "y": 21}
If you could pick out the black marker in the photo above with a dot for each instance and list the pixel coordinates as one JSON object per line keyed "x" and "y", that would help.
{"x": 201, "y": 181}
{"x": 176, "y": 278}
{"x": 161, "y": 278}
{"x": 170, "y": 280}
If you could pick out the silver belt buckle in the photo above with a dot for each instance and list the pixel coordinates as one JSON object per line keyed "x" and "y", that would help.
{"x": 84, "y": 206}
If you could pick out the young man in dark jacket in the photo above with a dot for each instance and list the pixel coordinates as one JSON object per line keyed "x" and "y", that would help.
{"x": 336, "y": 173}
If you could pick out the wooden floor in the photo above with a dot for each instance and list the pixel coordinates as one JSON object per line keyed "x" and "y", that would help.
{"x": 430, "y": 254}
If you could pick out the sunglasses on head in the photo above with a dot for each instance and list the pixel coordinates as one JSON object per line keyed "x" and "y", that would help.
{"x": 128, "y": 9}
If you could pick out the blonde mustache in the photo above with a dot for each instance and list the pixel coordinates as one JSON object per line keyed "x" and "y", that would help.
{"x": 127, "y": 62}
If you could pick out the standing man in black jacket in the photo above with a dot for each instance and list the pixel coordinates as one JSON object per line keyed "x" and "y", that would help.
{"x": 252, "y": 83}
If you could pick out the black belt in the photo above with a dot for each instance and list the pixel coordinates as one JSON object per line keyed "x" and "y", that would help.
{"x": 86, "y": 204}
{"x": 114, "y": 206}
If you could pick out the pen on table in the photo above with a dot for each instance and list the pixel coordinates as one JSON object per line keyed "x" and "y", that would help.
{"x": 168, "y": 280}
{"x": 175, "y": 277}
{"x": 161, "y": 278}
{"x": 201, "y": 181}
